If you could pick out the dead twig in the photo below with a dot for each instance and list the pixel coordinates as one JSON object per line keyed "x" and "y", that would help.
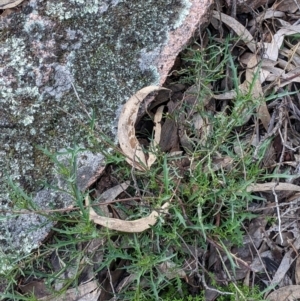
{"x": 278, "y": 213}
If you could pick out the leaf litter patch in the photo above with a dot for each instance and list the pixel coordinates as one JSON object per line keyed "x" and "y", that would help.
{"x": 161, "y": 129}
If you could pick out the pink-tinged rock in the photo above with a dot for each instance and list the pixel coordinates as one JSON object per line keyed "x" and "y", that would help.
{"x": 196, "y": 19}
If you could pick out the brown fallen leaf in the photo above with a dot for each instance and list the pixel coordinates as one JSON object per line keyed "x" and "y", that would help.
{"x": 292, "y": 55}
{"x": 287, "y": 293}
{"x": 37, "y": 288}
{"x": 272, "y": 73}
{"x": 231, "y": 94}
{"x": 268, "y": 14}
{"x": 126, "y": 129}
{"x": 283, "y": 268}
{"x": 111, "y": 279}
{"x": 297, "y": 271}
{"x": 292, "y": 76}
{"x": 109, "y": 195}
{"x": 169, "y": 131}
{"x": 257, "y": 92}
{"x": 271, "y": 50}
{"x": 290, "y": 6}
{"x": 171, "y": 270}
{"x": 88, "y": 291}
{"x": 219, "y": 163}
{"x": 169, "y": 137}
{"x": 255, "y": 81}
{"x": 242, "y": 88}
{"x": 246, "y": 6}
{"x": 238, "y": 28}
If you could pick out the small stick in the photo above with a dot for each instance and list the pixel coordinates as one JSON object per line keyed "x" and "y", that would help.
{"x": 278, "y": 213}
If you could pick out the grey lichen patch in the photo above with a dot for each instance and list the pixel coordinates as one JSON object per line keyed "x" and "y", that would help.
{"x": 20, "y": 233}
{"x": 119, "y": 51}
{"x": 65, "y": 10}
{"x": 88, "y": 165}
{"x": 107, "y": 49}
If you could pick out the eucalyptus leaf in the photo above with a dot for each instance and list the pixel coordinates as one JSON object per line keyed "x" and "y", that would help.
{"x": 9, "y": 3}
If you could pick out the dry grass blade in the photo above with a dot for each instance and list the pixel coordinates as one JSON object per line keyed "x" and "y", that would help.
{"x": 126, "y": 128}
{"x": 135, "y": 226}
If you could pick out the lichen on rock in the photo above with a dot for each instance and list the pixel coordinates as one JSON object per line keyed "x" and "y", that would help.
{"x": 106, "y": 49}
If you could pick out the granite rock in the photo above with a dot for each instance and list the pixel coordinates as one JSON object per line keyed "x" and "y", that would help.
{"x": 105, "y": 50}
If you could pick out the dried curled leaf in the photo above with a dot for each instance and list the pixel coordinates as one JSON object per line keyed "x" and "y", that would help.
{"x": 135, "y": 226}
{"x": 9, "y": 3}
{"x": 126, "y": 129}
{"x": 271, "y": 186}
{"x": 157, "y": 131}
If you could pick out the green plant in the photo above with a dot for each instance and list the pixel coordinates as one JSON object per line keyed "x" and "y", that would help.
{"x": 242, "y": 293}
{"x": 208, "y": 201}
